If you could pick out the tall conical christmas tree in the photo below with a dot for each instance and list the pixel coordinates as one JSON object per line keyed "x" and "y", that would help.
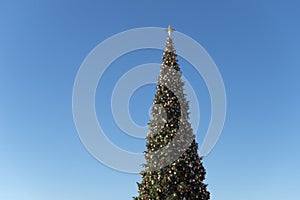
{"x": 173, "y": 169}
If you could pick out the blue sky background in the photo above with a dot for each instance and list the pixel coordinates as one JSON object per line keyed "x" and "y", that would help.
{"x": 42, "y": 44}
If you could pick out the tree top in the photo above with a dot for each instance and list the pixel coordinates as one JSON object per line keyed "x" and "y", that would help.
{"x": 170, "y": 30}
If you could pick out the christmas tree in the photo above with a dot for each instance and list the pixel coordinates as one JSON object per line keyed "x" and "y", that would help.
{"x": 173, "y": 168}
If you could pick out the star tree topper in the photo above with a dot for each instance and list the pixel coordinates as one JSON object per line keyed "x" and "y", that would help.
{"x": 170, "y": 30}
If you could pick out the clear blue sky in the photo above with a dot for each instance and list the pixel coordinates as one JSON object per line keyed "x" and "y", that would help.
{"x": 255, "y": 44}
